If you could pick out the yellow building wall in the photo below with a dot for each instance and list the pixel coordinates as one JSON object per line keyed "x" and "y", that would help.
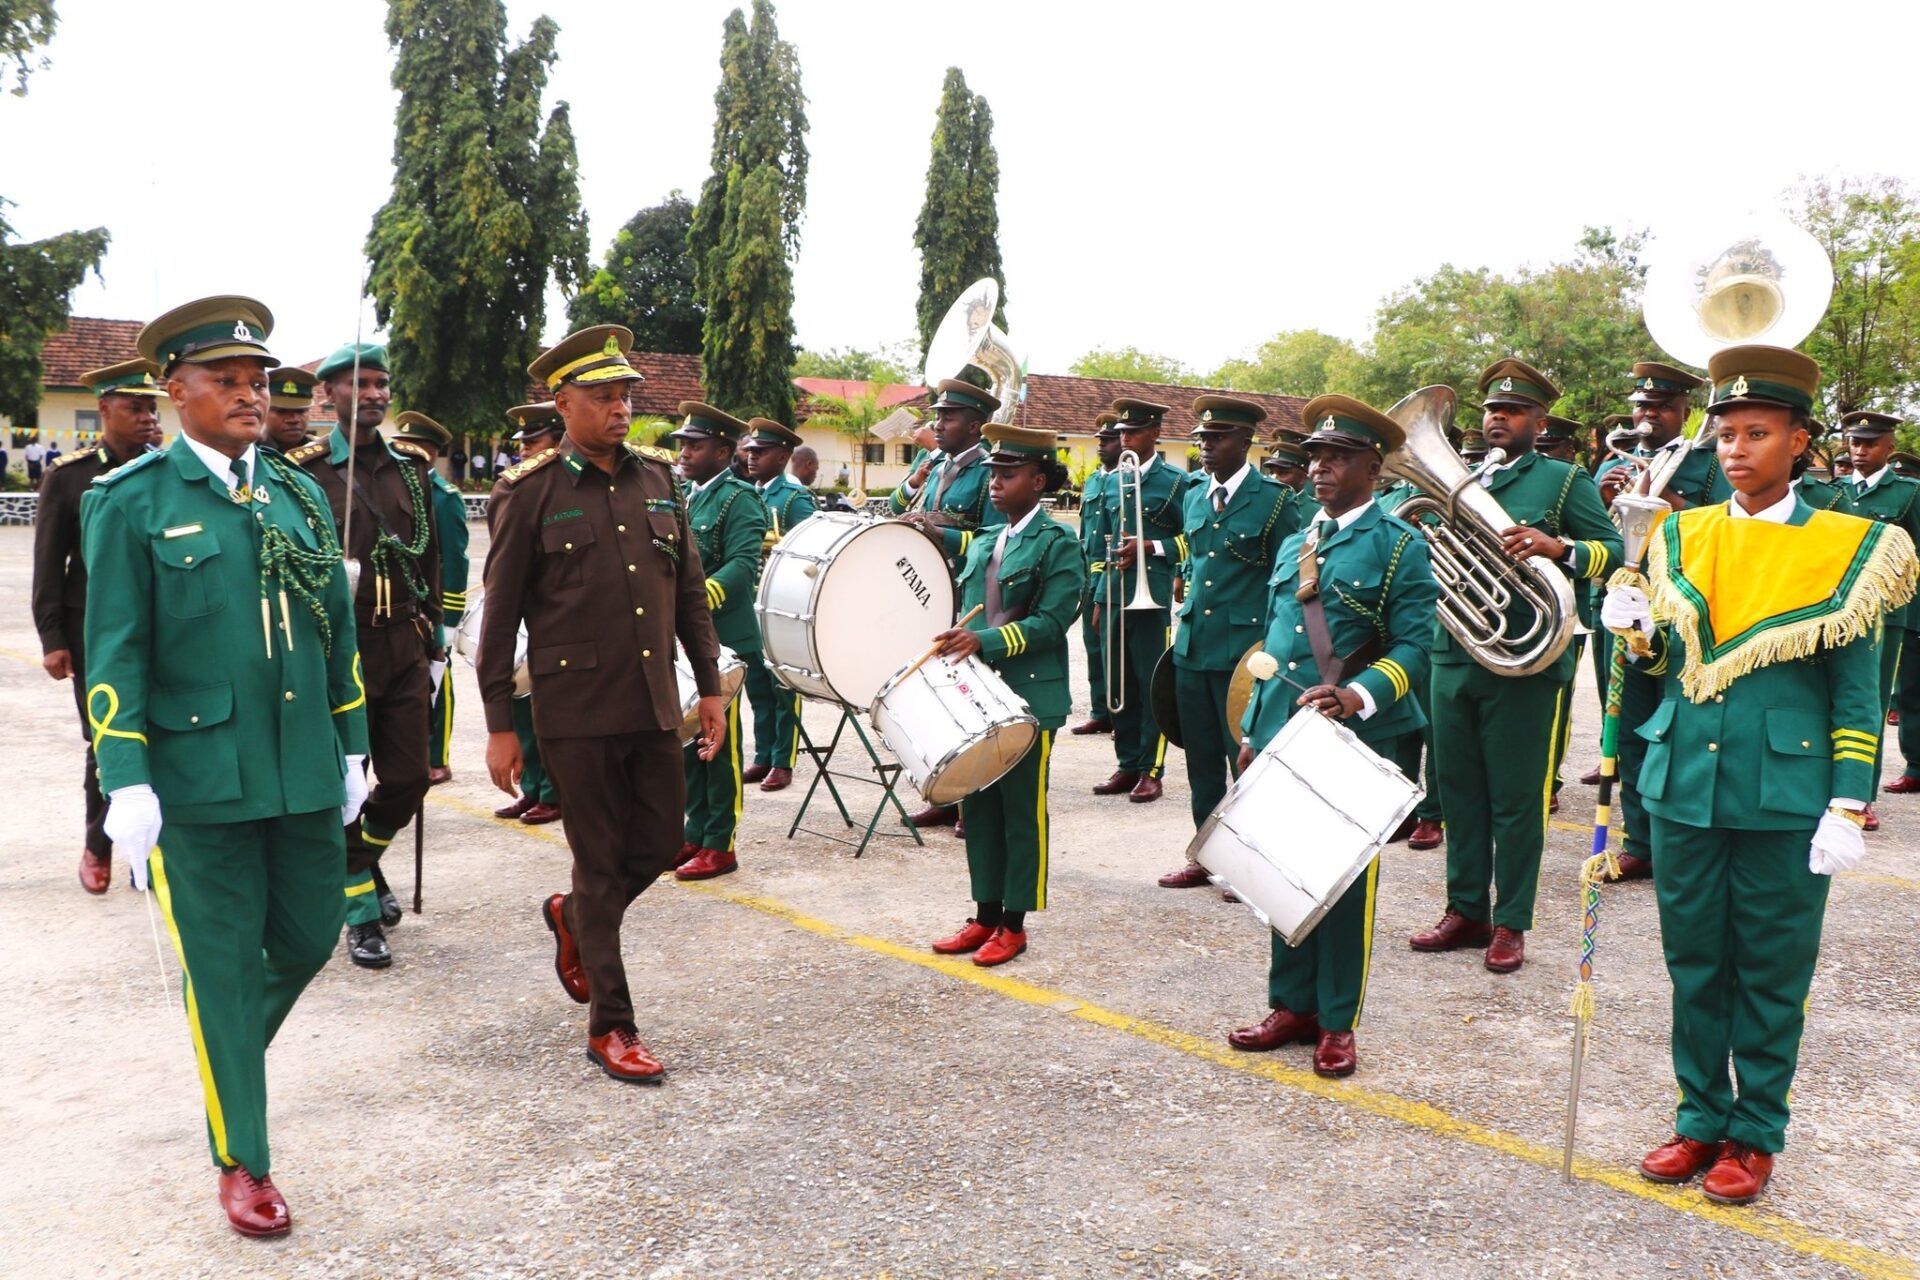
{"x": 61, "y": 423}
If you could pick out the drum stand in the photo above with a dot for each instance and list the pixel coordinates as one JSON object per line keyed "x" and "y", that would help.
{"x": 883, "y": 775}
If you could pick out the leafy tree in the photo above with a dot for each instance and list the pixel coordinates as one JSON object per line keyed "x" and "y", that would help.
{"x": 893, "y": 363}
{"x": 747, "y": 345}
{"x": 646, "y": 282}
{"x": 1868, "y": 343}
{"x": 25, "y": 25}
{"x": 1298, "y": 362}
{"x": 1130, "y": 364}
{"x": 36, "y": 280}
{"x": 958, "y": 232}
{"x": 485, "y": 207}
{"x": 852, "y": 417}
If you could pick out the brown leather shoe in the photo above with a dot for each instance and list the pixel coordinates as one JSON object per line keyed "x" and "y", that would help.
{"x": 437, "y": 774}
{"x": 1553, "y": 805}
{"x": 541, "y": 814}
{"x": 1873, "y": 819}
{"x": 566, "y": 954}
{"x": 707, "y": 864}
{"x": 1739, "y": 1176}
{"x": 96, "y": 873}
{"x": 777, "y": 780}
{"x": 1190, "y": 875}
{"x": 1426, "y": 835}
{"x": 1003, "y": 946}
{"x": 960, "y": 830}
{"x": 1091, "y": 726}
{"x": 1903, "y": 786}
{"x": 755, "y": 772}
{"x": 1678, "y": 1159}
{"x": 1632, "y": 868}
{"x": 972, "y": 936}
{"x": 254, "y": 1206}
{"x": 1508, "y": 950}
{"x": 515, "y": 809}
{"x": 1118, "y": 785}
{"x": 936, "y": 815}
{"x": 1453, "y": 932}
{"x": 1145, "y": 790}
{"x": 1405, "y": 829}
{"x": 1335, "y": 1056}
{"x": 1282, "y": 1026}
{"x": 1591, "y": 778}
{"x": 621, "y": 1055}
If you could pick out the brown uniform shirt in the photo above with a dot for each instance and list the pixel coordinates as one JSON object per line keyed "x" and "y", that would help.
{"x": 59, "y": 574}
{"x": 602, "y": 569}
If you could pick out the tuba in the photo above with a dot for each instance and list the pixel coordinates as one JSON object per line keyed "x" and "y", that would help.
{"x": 968, "y": 338}
{"x": 1479, "y": 582}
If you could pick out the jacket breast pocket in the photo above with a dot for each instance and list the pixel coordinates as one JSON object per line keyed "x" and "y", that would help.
{"x": 665, "y": 530}
{"x": 1655, "y": 731}
{"x": 1017, "y": 589}
{"x": 566, "y": 545}
{"x": 1797, "y": 766}
{"x": 187, "y": 577}
{"x": 560, "y": 659}
{"x": 196, "y": 759}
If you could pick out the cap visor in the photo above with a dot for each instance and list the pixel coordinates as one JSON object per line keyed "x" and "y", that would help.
{"x": 1337, "y": 440}
{"x": 233, "y": 351}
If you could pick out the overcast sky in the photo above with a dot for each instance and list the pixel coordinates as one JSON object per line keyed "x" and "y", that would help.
{"x": 1188, "y": 178}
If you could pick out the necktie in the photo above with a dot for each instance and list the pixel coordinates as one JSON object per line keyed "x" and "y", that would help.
{"x": 1219, "y": 498}
{"x": 995, "y": 615}
{"x": 1327, "y": 529}
{"x": 237, "y": 487}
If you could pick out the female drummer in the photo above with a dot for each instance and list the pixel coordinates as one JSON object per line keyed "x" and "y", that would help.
{"x": 1028, "y": 581}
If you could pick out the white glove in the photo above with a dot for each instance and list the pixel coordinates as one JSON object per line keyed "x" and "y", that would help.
{"x": 356, "y": 781}
{"x": 1838, "y": 845}
{"x": 1626, "y": 609}
{"x": 133, "y": 824}
{"x": 436, "y": 667}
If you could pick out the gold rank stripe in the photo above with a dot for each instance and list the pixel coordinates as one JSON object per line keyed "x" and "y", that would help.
{"x": 1861, "y": 757}
{"x": 1396, "y": 675}
{"x": 716, "y": 594}
{"x": 1180, "y": 546}
{"x": 1597, "y": 558}
{"x": 1854, "y": 736}
{"x": 458, "y": 598}
{"x": 1014, "y": 638}
{"x": 966, "y": 540}
{"x": 181, "y": 530}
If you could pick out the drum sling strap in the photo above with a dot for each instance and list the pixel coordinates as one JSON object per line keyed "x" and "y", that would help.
{"x": 1333, "y": 670}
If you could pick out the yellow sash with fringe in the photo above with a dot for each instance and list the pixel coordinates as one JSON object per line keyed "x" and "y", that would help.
{"x": 1745, "y": 594}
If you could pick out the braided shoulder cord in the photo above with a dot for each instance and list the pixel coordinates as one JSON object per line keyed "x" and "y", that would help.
{"x": 302, "y": 571}
{"x": 390, "y": 553}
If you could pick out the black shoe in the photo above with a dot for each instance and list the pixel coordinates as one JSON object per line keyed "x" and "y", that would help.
{"x": 367, "y": 946}
{"x": 389, "y": 909}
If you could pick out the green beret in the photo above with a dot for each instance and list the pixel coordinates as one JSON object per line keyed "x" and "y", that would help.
{"x": 372, "y": 356}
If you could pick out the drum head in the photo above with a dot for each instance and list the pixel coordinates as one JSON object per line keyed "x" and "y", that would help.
{"x": 1166, "y": 702}
{"x": 882, "y": 599}
{"x": 981, "y": 762}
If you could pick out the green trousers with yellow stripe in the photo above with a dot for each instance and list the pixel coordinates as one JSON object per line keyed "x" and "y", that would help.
{"x": 776, "y": 718}
{"x": 1138, "y": 745}
{"x": 714, "y": 789}
{"x": 253, "y": 909}
{"x": 1007, "y": 836}
{"x": 1326, "y": 975}
{"x": 440, "y": 722}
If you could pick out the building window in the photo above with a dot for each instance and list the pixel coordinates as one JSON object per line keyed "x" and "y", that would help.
{"x": 874, "y": 454}
{"x": 904, "y": 454}
{"x": 86, "y": 424}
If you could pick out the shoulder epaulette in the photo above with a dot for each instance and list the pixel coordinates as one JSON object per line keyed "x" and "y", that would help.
{"x": 418, "y": 452}
{"x": 126, "y": 469}
{"x": 445, "y": 485}
{"x": 306, "y": 453}
{"x": 651, "y": 453}
{"x": 521, "y": 470}
{"x": 68, "y": 459}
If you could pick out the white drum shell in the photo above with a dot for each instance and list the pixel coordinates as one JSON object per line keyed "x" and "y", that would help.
{"x": 733, "y": 675}
{"x": 466, "y": 643}
{"x": 1303, "y": 823}
{"x": 956, "y": 727}
{"x": 845, "y": 601}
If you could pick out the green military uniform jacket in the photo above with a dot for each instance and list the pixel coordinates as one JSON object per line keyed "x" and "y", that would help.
{"x": 898, "y": 500}
{"x": 963, "y": 501}
{"x": 450, "y": 525}
{"x": 1895, "y": 500}
{"x": 185, "y": 693}
{"x": 1230, "y": 559}
{"x": 1041, "y": 580}
{"x": 1163, "y": 492}
{"x": 1825, "y": 495}
{"x": 788, "y": 502}
{"x": 1093, "y": 519}
{"x": 1376, "y": 587}
{"x": 1558, "y": 498}
{"x": 729, "y": 524}
{"x": 1698, "y": 478}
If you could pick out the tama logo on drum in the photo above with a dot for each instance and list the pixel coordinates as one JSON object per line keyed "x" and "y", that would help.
{"x": 911, "y": 577}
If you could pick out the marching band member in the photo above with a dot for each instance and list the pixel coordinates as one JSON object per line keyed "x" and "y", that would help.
{"x": 538, "y": 429}
{"x": 1029, "y": 577}
{"x": 450, "y": 523}
{"x": 1234, "y": 522}
{"x": 129, "y": 427}
{"x": 1286, "y": 461}
{"x": 1498, "y": 731}
{"x": 1759, "y": 759}
{"x": 1820, "y": 494}
{"x": 1366, "y": 575}
{"x": 1093, "y": 546}
{"x": 228, "y": 713}
{"x": 730, "y": 524}
{"x": 1881, "y": 494}
{"x": 605, "y": 584}
{"x": 776, "y": 708}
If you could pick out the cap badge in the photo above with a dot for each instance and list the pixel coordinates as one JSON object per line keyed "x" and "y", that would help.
{"x": 1646, "y": 384}
{"x": 1739, "y": 387}
{"x": 147, "y": 378}
{"x": 612, "y": 348}
{"x": 1207, "y": 416}
{"x": 241, "y": 333}
{"x": 1506, "y": 384}
{"x": 289, "y": 388}
{"x": 1327, "y": 423}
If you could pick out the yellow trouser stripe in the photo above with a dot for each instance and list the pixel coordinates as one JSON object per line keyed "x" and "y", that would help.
{"x": 103, "y": 726}
{"x": 1546, "y": 783}
{"x": 216, "y": 1119}
{"x": 365, "y": 886}
{"x": 358, "y": 683}
{"x": 733, "y": 762}
{"x": 1040, "y": 819}
{"x": 371, "y": 839}
{"x": 1366, "y": 940}
{"x": 793, "y": 747}
{"x": 446, "y": 708}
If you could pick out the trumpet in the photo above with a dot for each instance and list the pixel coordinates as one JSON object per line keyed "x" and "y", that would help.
{"x": 1140, "y": 598}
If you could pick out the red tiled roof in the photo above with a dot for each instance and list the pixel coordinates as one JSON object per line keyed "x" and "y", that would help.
{"x": 1068, "y": 404}
{"x": 88, "y": 343}
{"x": 894, "y": 393}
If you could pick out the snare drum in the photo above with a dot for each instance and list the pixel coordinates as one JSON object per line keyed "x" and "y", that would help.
{"x": 956, "y": 726}
{"x": 466, "y": 643}
{"x": 1302, "y": 823}
{"x": 845, "y": 601}
{"x": 733, "y": 674}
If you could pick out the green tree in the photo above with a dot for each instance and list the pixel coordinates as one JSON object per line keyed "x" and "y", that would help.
{"x": 485, "y": 209}
{"x": 1868, "y": 343}
{"x": 1298, "y": 362}
{"x": 747, "y": 345}
{"x": 958, "y": 232}
{"x": 1130, "y": 364}
{"x": 895, "y": 363}
{"x": 25, "y": 26}
{"x": 853, "y": 419}
{"x": 646, "y": 282}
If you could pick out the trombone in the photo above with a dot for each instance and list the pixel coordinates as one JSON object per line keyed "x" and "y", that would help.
{"x": 1140, "y": 599}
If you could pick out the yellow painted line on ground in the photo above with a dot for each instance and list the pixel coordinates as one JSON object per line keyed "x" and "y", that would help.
{"x": 1759, "y": 1224}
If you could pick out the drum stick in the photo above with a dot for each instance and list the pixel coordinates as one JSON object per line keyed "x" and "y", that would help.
{"x": 928, "y": 655}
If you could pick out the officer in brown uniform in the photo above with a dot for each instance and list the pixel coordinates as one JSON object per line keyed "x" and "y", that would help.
{"x": 592, "y": 549}
{"x": 289, "y": 401}
{"x": 129, "y": 426}
{"x": 397, "y": 606}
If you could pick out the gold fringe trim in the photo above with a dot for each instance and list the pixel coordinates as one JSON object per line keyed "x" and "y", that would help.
{"x": 1887, "y": 581}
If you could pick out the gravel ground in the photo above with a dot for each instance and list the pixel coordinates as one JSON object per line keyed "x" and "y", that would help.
{"x": 840, "y": 1104}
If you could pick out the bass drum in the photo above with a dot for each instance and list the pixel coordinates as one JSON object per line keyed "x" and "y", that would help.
{"x": 846, "y": 600}
{"x": 733, "y": 675}
{"x": 466, "y": 643}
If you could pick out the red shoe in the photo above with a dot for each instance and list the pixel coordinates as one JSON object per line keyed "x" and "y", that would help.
{"x": 254, "y": 1206}
{"x": 1426, "y": 835}
{"x": 1739, "y": 1176}
{"x": 1091, "y": 726}
{"x": 1190, "y": 875}
{"x": 1677, "y": 1159}
{"x": 688, "y": 852}
{"x": 437, "y": 774}
{"x": 566, "y": 953}
{"x": 1118, "y": 785}
{"x": 515, "y": 809}
{"x": 621, "y": 1055}
{"x": 1873, "y": 819}
{"x": 1405, "y": 829}
{"x": 1453, "y": 932}
{"x": 777, "y": 780}
{"x": 1508, "y": 950}
{"x": 1553, "y": 805}
{"x": 971, "y": 937}
{"x": 1282, "y": 1026}
{"x": 1145, "y": 790}
{"x": 1335, "y": 1056}
{"x": 936, "y": 815}
{"x": 707, "y": 864}
{"x": 1591, "y": 778}
{"x": 960, "y": 830}
{"x": 1893, "y": 716}
{"x": 96, "y": 873}
{"x": 1632, "y": 868}
{"x": 755, "y": 772}
{"x": 1903, "y": 785}
{"x": 1003, "y": 946}
{"x": 540, "y": 814}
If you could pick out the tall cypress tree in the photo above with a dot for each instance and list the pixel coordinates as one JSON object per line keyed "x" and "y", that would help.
{"x": 485, "y": 207}
{"x": 958, "y": 233}
{"x": 747, "y": 223}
